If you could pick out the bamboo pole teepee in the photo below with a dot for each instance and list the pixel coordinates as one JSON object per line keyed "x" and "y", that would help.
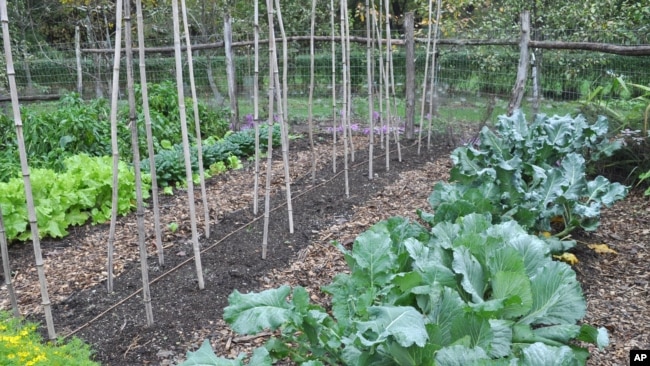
{"x": 7, "y": 269}
{"x": 197, "y": 121}
{"x": 31, "y": 212}
{"x": 148, "y": 130}
{"x": 186, "y": 143}
{"x": 115, "y": 151}
{"x": 133, "y": 123}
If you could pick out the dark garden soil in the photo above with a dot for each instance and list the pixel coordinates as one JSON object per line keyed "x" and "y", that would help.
{"x": 616, "y": 285}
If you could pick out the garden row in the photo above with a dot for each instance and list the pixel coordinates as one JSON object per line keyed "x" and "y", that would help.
{"x": 473, "y": 283}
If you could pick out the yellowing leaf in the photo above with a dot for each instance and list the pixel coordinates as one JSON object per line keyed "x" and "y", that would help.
{"x": 601, "y": 248}
{"x": 545, "y": 234}
{"x": 557, "y": 219}
{"x": 569, "y": 258}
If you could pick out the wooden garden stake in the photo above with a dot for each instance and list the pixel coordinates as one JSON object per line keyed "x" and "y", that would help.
{"x": 149, "y": 133}
{"x": 5, "y": 266}
{"x": 197, "y": 121}
{"x": 133, "y": 123}
{"x": 31, "y": 212}
{"x": 116, "y": 155}
{"x": 186, "y": 144}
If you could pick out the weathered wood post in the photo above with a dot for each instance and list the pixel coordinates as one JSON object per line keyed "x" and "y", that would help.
{"x": 522, "y": 69}
{"x": 230, "y": 72}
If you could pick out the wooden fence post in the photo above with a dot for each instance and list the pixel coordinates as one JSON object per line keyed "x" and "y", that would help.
{"x": 230, "y": 73}
{"x": 522, "y": 69}
{"x": 77, "y": 49}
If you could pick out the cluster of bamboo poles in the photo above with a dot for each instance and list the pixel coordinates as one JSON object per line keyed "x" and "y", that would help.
{"x": 378, "y": 35}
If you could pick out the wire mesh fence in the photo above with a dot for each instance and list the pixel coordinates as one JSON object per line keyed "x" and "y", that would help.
{"x": 461, "y": 71}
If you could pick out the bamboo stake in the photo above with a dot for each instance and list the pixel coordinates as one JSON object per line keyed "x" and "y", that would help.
{"x": 283, "y": 125}
{"x": 115, "y": 151}
{"x": 348, "y": 85}
{"x": 391, "y": 83}
{"x": 31, "y": 212}
{"x": 424, "y": 81}
{"x": 186, "y": 144}
{"x": 345, "y": 117}
{"x": 7, "y": 270}
{"x": 334, "y": 112}
{"x": 77, "y": 54}
{"x": 285, "y": 69}
{"x": 256, "y": 106}
{"x": 369, "y": 73}
{"x": 310, "y": 117}
{"x": 197, "y": 121}
{"x": 133, "y": 122}
{"x": 149, "y": 133}
{"x": 377, "y": 28}
{"x": 269, "y": 151}
{"x": 436, "y": 36}
{"x": 387, "y": 84}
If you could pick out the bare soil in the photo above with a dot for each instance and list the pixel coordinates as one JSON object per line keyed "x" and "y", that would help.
{"x": 616, "y": 285}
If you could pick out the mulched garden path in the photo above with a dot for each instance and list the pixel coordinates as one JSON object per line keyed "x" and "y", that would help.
{"x": 616, "y": 285}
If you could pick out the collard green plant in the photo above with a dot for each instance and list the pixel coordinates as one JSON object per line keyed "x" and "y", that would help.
{"x": 533, "y": 173}
{"x": 467, "y": 292}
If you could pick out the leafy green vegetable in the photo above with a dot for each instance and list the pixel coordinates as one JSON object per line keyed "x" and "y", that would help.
{"x": 468, "y": 291}
{"x": 81, "y": 192}
{"x": 532, "y": 173}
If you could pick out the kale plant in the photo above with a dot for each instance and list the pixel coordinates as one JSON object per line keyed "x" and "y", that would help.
{"x": 533, "y": 173}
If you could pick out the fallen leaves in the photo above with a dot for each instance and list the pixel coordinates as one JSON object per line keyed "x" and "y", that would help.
{"x": 601, "y": 249}
{"x": 568, "y": 258}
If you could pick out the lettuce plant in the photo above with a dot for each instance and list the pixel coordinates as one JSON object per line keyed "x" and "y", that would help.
{"x": 463, "y": 292}
{"x": 533, "y": 173}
